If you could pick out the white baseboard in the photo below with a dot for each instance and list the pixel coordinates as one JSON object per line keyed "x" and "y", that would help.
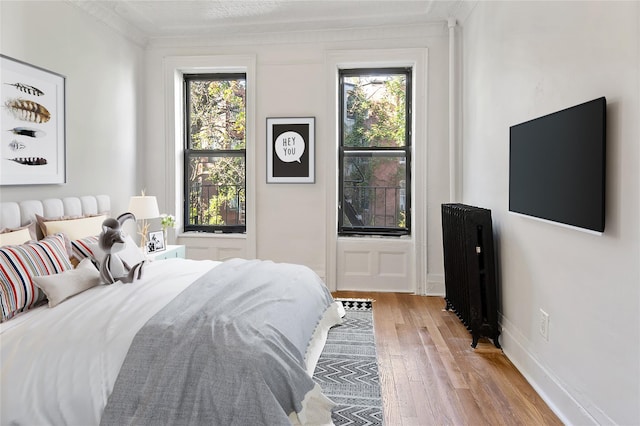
{"x": 550, "y": 388}
{"x": 435, "y": 285}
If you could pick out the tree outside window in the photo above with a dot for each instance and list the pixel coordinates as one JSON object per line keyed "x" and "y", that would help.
{"x": 215, "y": 152}
{"x": 375, "y": 152}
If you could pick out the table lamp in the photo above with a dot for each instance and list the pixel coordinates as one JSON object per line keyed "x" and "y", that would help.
{"x": 144, "y": 207}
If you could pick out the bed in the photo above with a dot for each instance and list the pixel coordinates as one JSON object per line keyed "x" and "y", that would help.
{"x": 192, "y": 342}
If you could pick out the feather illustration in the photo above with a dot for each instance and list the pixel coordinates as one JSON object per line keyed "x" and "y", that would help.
{"x": 25, "y": 88}
{"x": 26, "y": 131}
{"x": 29, "y": 161}
{"x": 26, "y": 110}
{"x": 16, "y": 146}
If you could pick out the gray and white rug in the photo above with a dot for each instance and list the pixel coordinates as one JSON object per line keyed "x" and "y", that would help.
{"x": 347, "y": 370}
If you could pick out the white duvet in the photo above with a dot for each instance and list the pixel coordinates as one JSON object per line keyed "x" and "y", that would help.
{"x": 59, "y": 364}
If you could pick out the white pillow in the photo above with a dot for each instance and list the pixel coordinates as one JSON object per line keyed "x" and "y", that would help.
{"x": 15, "y": 238}
{"x": 59, "y": 287}
{"x": 75, "y": 229}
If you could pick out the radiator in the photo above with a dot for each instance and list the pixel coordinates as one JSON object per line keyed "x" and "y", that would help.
{"x": 470, "y": 269}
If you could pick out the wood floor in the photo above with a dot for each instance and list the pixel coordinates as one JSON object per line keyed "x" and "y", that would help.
{"x": 430, "y": 375}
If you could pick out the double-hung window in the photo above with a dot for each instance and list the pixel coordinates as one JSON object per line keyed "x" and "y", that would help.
{"x": 215, "y": 152}
{"x": 374, "y": 187}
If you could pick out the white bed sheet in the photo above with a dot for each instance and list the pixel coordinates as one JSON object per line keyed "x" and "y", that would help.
{"x": 79, "y": 346}
{"x": 91, "y": 332}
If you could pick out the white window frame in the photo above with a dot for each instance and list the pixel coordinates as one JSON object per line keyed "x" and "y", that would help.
{"x": 415, "y": 58}
{"x": 174, "y": 69}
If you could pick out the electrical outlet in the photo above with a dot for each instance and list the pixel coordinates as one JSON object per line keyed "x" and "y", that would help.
{"x": 544, "y": 324}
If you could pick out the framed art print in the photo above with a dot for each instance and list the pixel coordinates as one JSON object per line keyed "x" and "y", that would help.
{"x": 33, "y": 124}
{"x": 291, "y": 150}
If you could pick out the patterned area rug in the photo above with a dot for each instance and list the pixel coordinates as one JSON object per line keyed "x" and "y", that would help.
{"x": 347, "y": 370}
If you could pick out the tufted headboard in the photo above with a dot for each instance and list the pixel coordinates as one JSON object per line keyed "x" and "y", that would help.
{"x": 16, "y": 214}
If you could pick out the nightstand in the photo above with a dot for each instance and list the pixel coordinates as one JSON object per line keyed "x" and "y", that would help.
{"x": 172, "y": 251}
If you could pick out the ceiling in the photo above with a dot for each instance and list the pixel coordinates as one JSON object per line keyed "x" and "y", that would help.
{"x": 146, "y": 20}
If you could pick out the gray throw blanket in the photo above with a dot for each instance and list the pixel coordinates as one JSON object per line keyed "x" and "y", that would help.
{"x": 229, "y": 350}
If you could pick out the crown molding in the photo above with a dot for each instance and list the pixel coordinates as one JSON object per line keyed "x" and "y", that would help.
{"x": 462, "y": 10}
{"x": 105, "y": 14}
{"x": 417, "y": 31}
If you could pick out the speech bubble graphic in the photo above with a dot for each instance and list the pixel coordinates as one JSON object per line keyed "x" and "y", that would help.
{"x": 289, "y": 147}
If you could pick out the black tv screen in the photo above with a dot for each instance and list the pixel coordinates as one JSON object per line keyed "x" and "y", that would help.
{"x": 557, "y": 166}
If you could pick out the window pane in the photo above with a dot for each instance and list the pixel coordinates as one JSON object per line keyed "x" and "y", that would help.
{"x": 216, "y": 113}
{"x": 374, "y": 110}
{"x": 216, "y": 190}
{"x": 374, "y": 191}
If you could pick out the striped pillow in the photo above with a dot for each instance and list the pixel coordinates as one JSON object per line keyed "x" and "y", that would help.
{"x": 19, "y": 264}
{"x": 82, "y": 248}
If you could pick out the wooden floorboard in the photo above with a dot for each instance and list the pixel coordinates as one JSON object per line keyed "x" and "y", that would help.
{"x": 430, "y": 375}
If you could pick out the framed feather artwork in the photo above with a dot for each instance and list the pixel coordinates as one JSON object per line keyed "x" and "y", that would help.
{"x": 32, "y": 117}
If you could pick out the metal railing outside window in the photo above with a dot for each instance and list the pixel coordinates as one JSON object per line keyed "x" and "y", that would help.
{"x": 229, "y": 202}
{"x": 215, "y": 152}
{"x": 374, "y": 180}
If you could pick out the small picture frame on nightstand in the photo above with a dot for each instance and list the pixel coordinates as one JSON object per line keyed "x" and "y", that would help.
{"x": 155, "y": 242}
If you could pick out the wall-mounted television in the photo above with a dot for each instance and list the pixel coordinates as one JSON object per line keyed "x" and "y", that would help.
{"x": 557, "y": 166}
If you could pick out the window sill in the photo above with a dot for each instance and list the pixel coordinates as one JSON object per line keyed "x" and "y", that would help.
{"x": 360, "y": 237}
{"x": 195, "y": 234}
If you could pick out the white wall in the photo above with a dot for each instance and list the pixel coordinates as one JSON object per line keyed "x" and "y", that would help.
{"x": 292, "y": 82}
{"x": 523, "y": 60}
{"x": 103, "y": 96}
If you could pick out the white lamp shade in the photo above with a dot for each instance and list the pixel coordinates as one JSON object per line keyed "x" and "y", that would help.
{"x": 144, "y": 207}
